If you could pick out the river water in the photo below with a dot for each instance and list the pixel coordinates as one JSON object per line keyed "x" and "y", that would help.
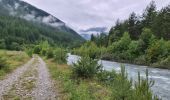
{"x": 160, "y": 76}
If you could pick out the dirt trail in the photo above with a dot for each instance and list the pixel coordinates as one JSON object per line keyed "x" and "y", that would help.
{"x": 5, "y": 85}
{"x": 45, "y": 89}
{"x": 31, "y": 81}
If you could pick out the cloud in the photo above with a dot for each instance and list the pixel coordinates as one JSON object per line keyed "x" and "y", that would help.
{"x": 83, "y": 14}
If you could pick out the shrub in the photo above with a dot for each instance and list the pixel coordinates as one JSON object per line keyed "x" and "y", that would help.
{"x": 29, "y": 52}
{"x": 60, "y": 55}
{"x": 43, "y": 52}
{"x": 142, "y": 89}
{"x": 86, "y": 67}
{"x": 140, "y": 60}
{"x": 37, "y": 49}
{"x": 89, "y": 49}
{"x": 132, "y": 51}
{"x": 106, "y": 56}
{"x": 106, "y": 77}
{"x": 50, "y": 53}
{"x": 122, "y": 87}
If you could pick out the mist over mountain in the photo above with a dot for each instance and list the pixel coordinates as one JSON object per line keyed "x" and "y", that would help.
{"x": 94, "y": 30}
{"x": 58, "y": 31}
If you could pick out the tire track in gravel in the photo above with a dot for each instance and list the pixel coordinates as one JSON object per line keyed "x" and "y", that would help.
{"x": 6, "y": 84}
{"x": 45, "y": 88}
{"x": 22, "y": 89}
{"x": 29, "y": 82}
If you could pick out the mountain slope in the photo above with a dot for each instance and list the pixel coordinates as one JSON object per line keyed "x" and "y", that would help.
{"x": 22, "y": 21}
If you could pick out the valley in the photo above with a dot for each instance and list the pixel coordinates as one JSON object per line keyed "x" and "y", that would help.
{"x": 72, "y": 50}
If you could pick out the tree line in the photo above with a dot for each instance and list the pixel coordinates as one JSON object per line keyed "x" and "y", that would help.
{"x": 16, "y": 33}
{"x": 139, "y": 39}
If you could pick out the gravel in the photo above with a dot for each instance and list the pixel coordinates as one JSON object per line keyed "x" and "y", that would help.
{"x": 35, "y": 70}
{"x": 45, "y": 87}
{"x": 6, "y": 84}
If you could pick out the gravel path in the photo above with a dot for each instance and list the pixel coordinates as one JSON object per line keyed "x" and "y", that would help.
{"x": 23, "y": 88}
{"x": 45, "y": 89}
{"x": 6, "y": 84}
{"x": 31, "y": 82}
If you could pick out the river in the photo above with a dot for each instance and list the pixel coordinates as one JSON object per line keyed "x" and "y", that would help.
{"x": 160, "y": 76}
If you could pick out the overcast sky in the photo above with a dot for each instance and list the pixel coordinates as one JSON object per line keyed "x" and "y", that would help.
{"x": 83, "y": 14}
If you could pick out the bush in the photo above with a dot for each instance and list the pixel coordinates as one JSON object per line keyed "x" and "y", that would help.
{"x": 29, "y": 52}
{"x": 124, "y": 90}
{"x": 122, "y": 87}
{"x": 43, "y": 52}
{"x": 86, "y": 67}
{"x": 50, "y": 53}
{"x": 106, "y": 56}
{"x": 106, "y": 77}
{"x": 37, "y": 49}
{"x": 132, "y": 51}
{"x": 140, "y": 60}
{"x": 89, "y": 49}
{"x": 142, "y": 89}
{"x": 60, "y": 55}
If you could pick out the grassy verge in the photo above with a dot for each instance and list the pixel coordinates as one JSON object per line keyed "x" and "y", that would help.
{"x": 11, "y": 60}
{"x": 76, "y": 89}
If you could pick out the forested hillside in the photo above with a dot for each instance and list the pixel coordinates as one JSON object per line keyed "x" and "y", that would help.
{"x": 16, "y": 32}
{"x": 22, "y": 24}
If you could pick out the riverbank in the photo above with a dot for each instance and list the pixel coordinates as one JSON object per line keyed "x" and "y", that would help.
{"x": 160, "y": 76}
{"x": 155, "y": 65}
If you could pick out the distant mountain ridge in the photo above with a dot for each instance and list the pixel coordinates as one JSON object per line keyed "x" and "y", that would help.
{"x": 23, "y": 10}
{"x": 27, "y": 11}
{"x": 94, "y": 30}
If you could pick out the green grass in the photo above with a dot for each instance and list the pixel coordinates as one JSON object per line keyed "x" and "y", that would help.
{"x": 76, "y": 89}
{"x": 13, "y": 60}
{"x": 103, "y": 86}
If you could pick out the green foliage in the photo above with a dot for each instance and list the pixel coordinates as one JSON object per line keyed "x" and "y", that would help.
{"x": 106, "y": 77}
{"x": 140, "y": 41}
{"x": 132, "y": 51}
{"x": 142, "y": 88}
{"x": 109, "y": 85}
{"x": 29, "y": 52}
{"x": 10, "y": 60}
{"x": 156, "y": 51}
{"x": 86, "y": 67}
{"x": 164, "y": 63}
{"x": 89, "y": 49}
{"x": 157, "y": 21}
{"x": 3, "y": 63}
{"x": 16, "y": 32}
{"x": 144, "y": 40}
{"x": 122, "y": 87}
{"x": 60, "y": 55}
{"x": 2, "y": 44}
{"x": 146, "y": 50}
{"x": 100, "y": 40}
{"x": 119, "y": 48}
{"x": 50, "y": 53}
{"x": 122, "y": 44}
{"x": 37, "y": 49}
